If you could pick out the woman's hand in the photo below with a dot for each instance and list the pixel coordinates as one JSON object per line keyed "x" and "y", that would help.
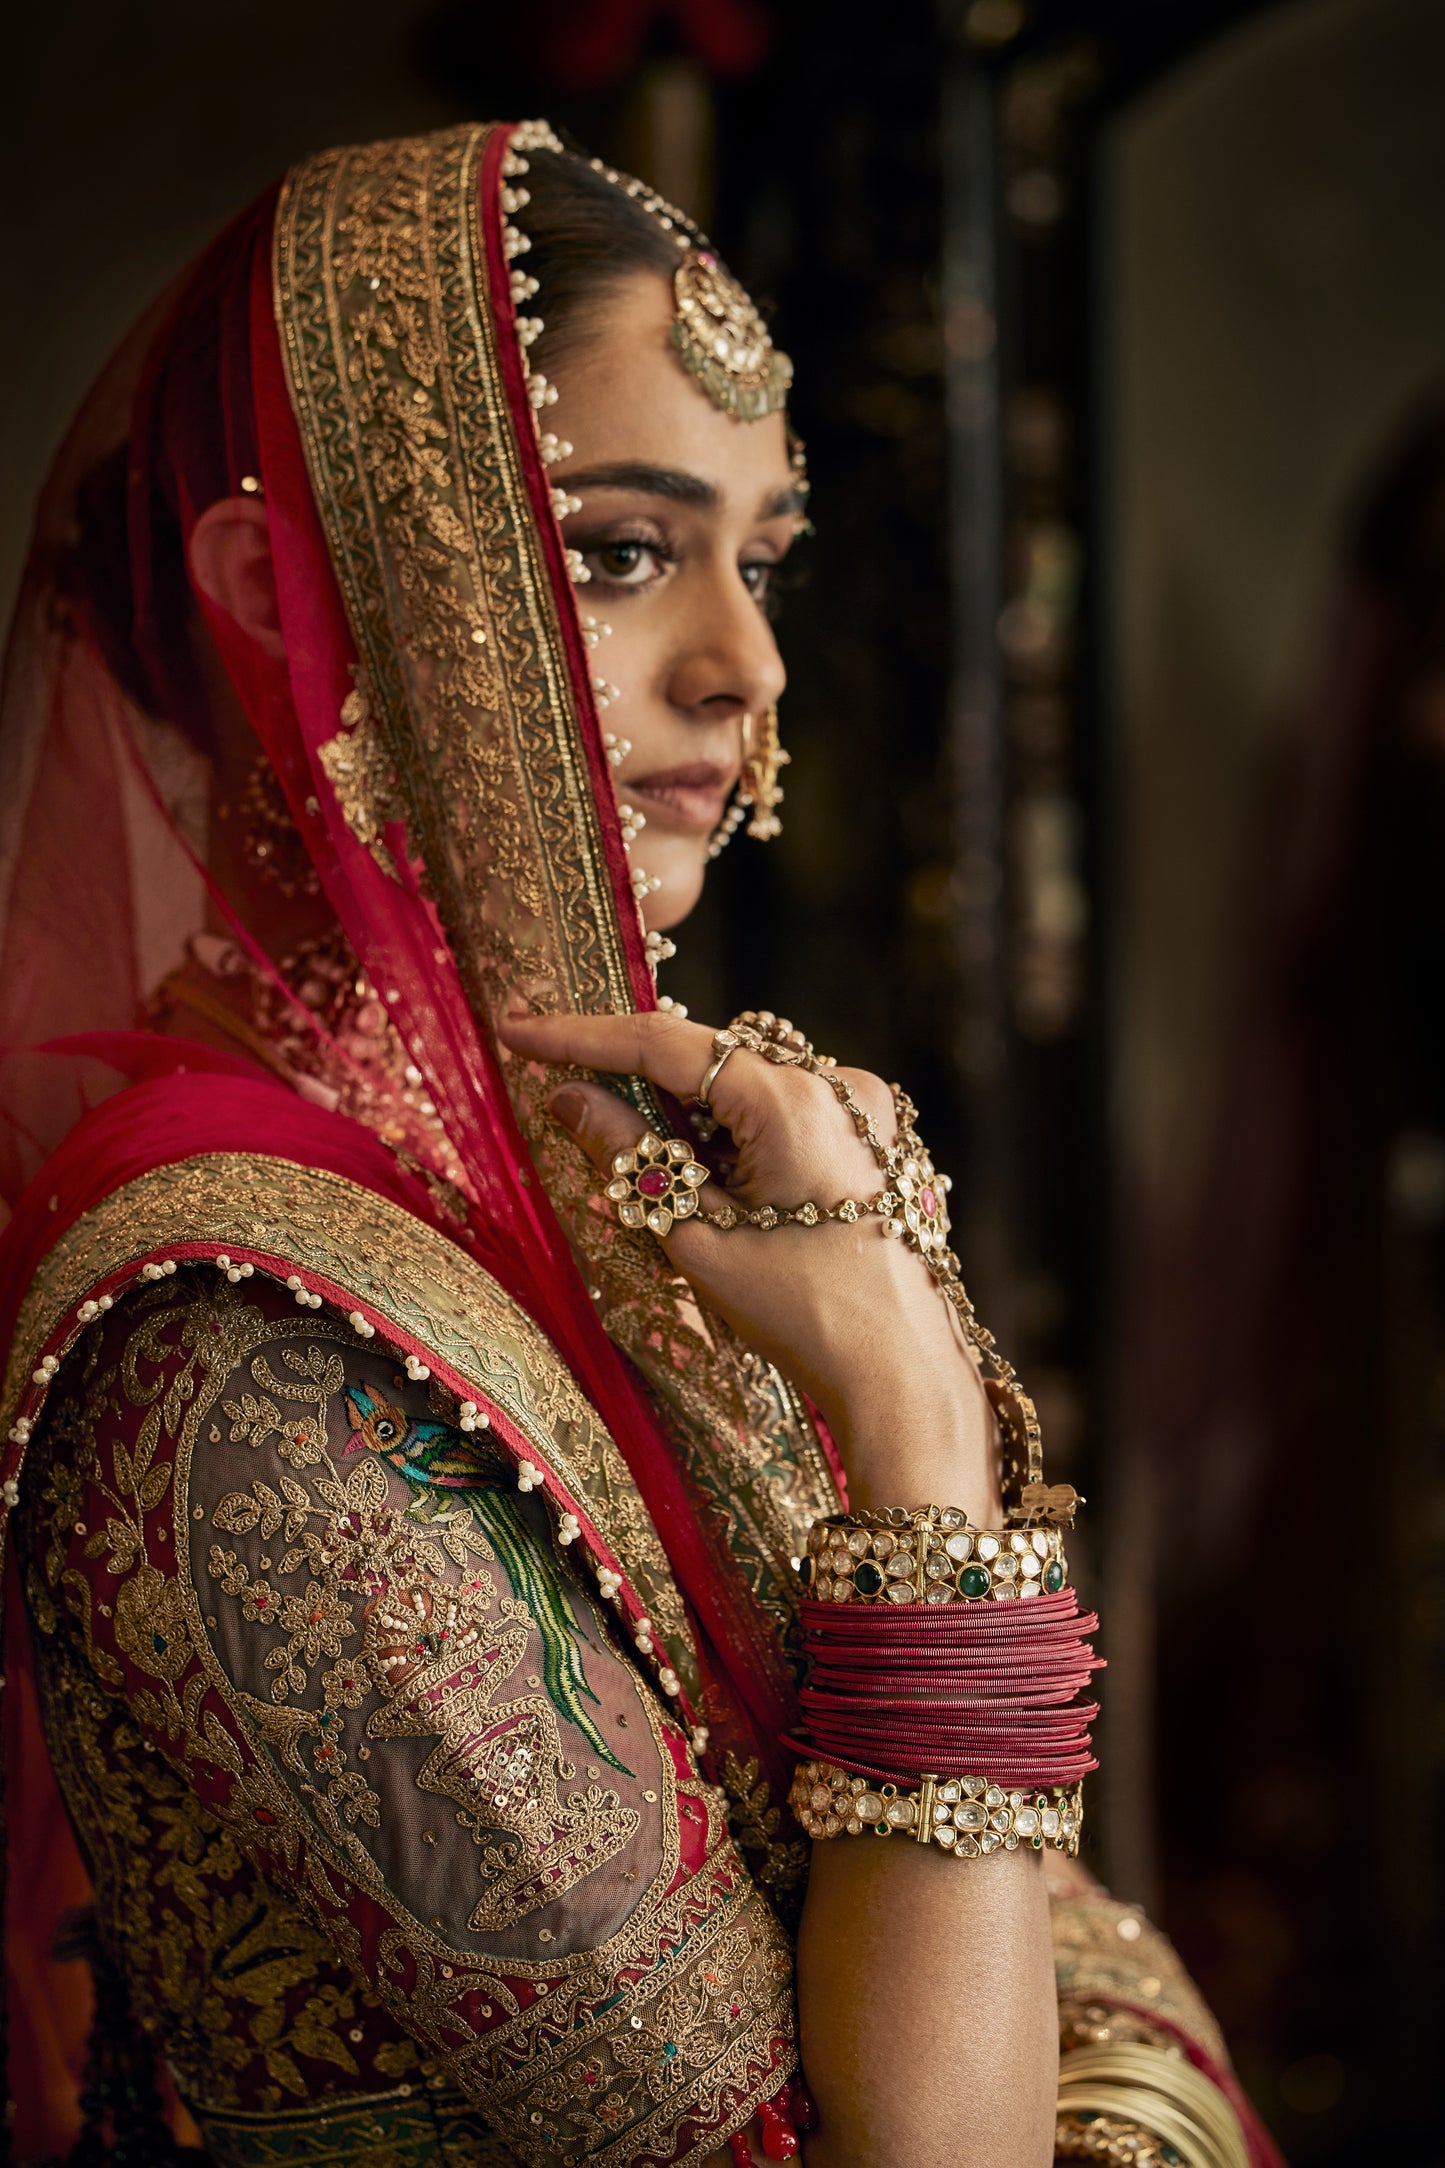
{"x": 856, "y": 1320}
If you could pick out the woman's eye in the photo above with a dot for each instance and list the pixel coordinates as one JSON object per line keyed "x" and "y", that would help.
{"x": 625, "y": 564}
{"x": 757, "y": 577}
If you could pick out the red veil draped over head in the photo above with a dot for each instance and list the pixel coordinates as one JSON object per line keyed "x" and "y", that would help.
{"x": 272, "y": 901}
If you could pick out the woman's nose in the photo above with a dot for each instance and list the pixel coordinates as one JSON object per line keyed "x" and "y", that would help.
{"x": 728, "y": 662}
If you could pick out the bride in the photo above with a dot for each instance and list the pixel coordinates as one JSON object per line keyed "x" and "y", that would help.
{"x": 466, "y": 1419}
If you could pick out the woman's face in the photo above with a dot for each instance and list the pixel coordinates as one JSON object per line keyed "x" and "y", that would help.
{"x": 685, "y": 514}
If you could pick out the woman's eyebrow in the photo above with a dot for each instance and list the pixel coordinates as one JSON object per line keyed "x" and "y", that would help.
{"x": 671, "y": 482}
{"x": 783, "y": 504}
{"x": 677, "y": 485}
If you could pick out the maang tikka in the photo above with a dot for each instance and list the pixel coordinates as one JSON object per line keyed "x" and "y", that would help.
{"x": 718, "y": 330}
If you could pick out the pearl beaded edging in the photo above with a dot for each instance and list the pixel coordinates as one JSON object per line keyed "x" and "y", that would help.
{"x": 513, "y": 198}
{"x": 611, "y": 1583}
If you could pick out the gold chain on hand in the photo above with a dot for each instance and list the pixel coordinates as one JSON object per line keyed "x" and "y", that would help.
{"x": 913, "y": 1209}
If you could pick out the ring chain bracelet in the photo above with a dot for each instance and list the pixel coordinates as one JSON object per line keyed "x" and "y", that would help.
{"x": 657, "y": 1182}
{"x": 913, "y": 1208}
{"x": 930, "y": 1556}
{"x": 967, "y": 1816}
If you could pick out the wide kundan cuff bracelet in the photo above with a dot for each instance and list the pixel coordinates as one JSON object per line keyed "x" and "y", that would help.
{"x": 964, "y": 1815}
{"x": 932, "y": 1555}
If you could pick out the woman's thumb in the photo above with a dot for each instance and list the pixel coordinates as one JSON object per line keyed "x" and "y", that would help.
{"x": 601, "y": 1122}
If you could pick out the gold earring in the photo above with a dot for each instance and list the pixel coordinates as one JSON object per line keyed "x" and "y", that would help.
{"x": 270, "y": 838}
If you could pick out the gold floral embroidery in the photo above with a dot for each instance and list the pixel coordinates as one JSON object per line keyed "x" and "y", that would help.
{"x": 362, "y": 776}
{"x": 778, "y": 1859}
{"x": 243, "y": 1989}
{"x": 187, "y": 1343}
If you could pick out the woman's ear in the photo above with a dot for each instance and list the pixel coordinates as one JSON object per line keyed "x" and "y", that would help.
{"x": 229, "y": 556}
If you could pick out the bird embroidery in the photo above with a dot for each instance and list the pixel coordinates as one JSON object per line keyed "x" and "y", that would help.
{"x": 433, "y": 1456}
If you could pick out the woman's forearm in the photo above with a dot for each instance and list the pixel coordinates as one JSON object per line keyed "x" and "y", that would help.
{"x": 927, "y": 2008}
{"x": 925, "y": 1982}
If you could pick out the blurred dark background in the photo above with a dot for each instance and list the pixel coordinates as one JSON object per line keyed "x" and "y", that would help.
{"x": 1116, "y": 827}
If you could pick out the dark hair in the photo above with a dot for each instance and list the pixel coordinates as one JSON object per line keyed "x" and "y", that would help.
{"x": 588, "y": 235}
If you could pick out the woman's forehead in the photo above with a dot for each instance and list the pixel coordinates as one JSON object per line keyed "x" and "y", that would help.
{"x": 625, "y": 398}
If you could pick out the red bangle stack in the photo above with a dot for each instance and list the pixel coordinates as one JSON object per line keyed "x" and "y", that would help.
{"x": 901, "y": 1691}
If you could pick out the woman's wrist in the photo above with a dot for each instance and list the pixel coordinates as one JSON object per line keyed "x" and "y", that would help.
{"x": 911, "y": 1422}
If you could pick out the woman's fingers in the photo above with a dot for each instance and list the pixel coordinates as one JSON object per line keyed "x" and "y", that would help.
{"x": 604, "y": 1125}
{"x": 666, "y": 1049}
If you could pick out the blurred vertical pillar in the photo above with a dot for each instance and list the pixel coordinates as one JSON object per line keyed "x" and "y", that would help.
{"x": 1026, "y": 744}
{"x": 975, "y": 739}
{"x": 668, "y": 135}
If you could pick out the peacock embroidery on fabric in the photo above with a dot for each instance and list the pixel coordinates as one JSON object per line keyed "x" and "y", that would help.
{"x": 433, "y": 1456}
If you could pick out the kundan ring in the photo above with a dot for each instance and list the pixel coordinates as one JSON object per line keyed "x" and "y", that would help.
{"x": 655, "y": 1183}
{"x": 723, "y": 1044}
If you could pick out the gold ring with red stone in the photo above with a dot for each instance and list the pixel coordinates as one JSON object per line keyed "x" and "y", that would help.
{"x": 655, "y": 1183}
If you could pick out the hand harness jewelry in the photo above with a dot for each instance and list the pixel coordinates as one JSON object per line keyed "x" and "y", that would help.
{"x": 913, "y": 1207}
{"x": 946, "y": 1663}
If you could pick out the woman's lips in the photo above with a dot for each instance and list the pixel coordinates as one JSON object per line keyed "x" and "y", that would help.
{"x": 694, "y": 797}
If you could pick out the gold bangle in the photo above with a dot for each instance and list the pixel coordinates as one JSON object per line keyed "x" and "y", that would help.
{"x": 1154, "y": 2088}
{"x": 929, "y": 1555}
{"x": 967, "y": 1816}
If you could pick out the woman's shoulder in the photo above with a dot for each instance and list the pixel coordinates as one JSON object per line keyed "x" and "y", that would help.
{"x": 244, "y": 1244}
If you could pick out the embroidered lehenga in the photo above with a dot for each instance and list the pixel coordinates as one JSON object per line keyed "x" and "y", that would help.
{"x": 406, "y": 1559}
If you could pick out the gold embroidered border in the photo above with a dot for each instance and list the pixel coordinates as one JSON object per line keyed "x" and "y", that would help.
{"x": 410, "y": 2127}
{"x": 391, "y": 343}
{"x": 391, "y": 346}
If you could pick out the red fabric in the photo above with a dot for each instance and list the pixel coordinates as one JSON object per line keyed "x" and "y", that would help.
{"x": 106, "y": 873}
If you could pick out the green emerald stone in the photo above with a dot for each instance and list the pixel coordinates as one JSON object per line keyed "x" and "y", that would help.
{"x": 1053, "y": 1576}
{"x": 974, "y": 1581}
{"x": 805, "y": 1571}
{"x": 1170, "y": 2153}
{"x": 867, "y": 1578}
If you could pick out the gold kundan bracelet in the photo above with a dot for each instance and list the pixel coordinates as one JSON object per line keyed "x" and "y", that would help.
{"x": 967, "y": 1816}
{"x": 931, "y": 1555}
